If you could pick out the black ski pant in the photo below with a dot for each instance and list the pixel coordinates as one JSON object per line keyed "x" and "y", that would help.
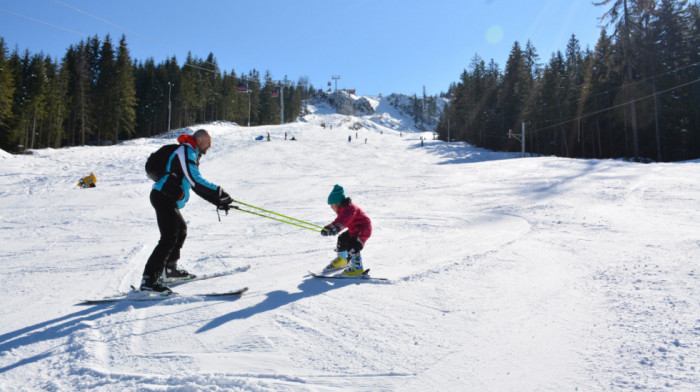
{"x": 347, "y": 243}
{"x": 173, "y": 231}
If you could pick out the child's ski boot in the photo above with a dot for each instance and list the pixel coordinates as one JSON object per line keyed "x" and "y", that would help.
{"x": 355, "y": 267}
{"x": 340, "y": 262}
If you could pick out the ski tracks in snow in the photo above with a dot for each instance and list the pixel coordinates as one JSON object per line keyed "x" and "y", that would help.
{"x": 531, "y": 274}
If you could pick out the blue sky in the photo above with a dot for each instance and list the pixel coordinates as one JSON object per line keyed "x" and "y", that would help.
{"x": 375, "y": 46}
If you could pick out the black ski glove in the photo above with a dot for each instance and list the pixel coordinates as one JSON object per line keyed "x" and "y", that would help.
{"x": 224, "y": 199}
{"x": 329, "y": 230}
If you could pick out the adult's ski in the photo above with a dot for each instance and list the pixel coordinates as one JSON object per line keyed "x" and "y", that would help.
{"x": 140, "y": 296}
{"x": 170, "y": 282}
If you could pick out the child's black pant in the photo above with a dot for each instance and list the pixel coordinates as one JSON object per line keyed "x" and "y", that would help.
{"x": 348, "y": 243}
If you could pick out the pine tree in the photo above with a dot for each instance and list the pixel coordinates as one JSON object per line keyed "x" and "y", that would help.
{"x": 78, "y": 62}
{"x": 150, "y": 96}
{"x": 228, "y": 95}
{"x": 296, "y": 102}
{"x": 105, "y": 93}
{"x": 8, "y": 140}
{"x": 516, "y": 89}
{"x": 691, "y": 142}
{"x": 124, "y": 93}
{"x": 552, "y": 97}
{"x": 269, "y": 105}
{"x": 595, "y": 88}
{"x": 575, "y": 104}
{"x": 671, "y": 35}
{"x": 188, "y": 93}
{"x": 533, "y": 68}
{"x": 34, "y": 97}
{"x": 621, "y": 12}
{"x": 254, "y": 89}
{"x": 56, "y": 108}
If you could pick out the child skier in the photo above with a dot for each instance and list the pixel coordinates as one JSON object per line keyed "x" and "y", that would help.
{"x": 350, "y": 242}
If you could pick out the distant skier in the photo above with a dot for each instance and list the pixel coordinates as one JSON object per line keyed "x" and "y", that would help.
{"x": 349, "y": 138}
{"x": 352, "y": 241}
{"x": 168, "y": 196}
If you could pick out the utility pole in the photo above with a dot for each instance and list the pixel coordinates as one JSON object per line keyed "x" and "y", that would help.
{"x": 520, "y": 137}
{"x": 282, "y": 84}
{"x": 281, "y": 105}
{"x": 448, "y": 129}
{"x": 336, "y": 77}
{"x": 170, "y": 88}
{"x": 523, "y": 141}
{"x": 243, "y": 88}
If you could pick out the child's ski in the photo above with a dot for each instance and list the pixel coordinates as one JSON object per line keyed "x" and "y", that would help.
{"x": 177, "y": 282}
{"x": 365, "y": 276}
{"x": 136, "y": 295}
{"x": 329, "y": 271}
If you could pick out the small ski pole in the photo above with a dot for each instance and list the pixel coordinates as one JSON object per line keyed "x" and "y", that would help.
{"x": 278, "y": 214}
{"x": 219, "y": 215}
{"x": 276, "y": 219}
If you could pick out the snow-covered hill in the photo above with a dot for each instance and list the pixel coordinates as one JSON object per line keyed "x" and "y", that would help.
{"x": 537, "y": 274}
{"x": 396, "y": 111}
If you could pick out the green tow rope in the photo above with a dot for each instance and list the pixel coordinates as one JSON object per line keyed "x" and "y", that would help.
{"x": 287, "y": 219}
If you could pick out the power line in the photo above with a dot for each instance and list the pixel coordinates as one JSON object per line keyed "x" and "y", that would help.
{"x": 60, "y": 27}
{"x": 216, "y": 70}
{"x": 587, "y": 97}
{"x": 615, "y": 106}
{"x": 633, "y": 83}
{"x": 579, "y": 117}
{"x": 111, "y": 24}
{"x": 605, "y": 92}
{"x": 137, "y": 34}
{"x": 44, "y": 23}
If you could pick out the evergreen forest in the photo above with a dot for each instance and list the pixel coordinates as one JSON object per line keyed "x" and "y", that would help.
{"x": 636, "y": 95}
{"x": 97, "y": 94}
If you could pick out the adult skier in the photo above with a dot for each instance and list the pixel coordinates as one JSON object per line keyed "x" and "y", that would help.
{"x": 168, "y": 196}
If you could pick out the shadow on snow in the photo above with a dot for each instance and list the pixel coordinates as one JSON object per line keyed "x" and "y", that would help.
{"x": 460, "y": 152}
{"x": 57, "y": 328}
{"x": 278, "y": 298}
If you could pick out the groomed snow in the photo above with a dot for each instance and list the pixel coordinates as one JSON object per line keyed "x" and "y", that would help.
{"x": 506, "y": 274}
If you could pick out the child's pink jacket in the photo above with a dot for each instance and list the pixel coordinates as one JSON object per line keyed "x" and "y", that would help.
{"x": 357, "y": 222}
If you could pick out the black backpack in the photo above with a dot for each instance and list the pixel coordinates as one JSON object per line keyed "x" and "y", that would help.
{"x": 156, "y": 163}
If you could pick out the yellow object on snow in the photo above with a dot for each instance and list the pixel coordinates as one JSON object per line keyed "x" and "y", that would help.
{"x": 88, "y": 181}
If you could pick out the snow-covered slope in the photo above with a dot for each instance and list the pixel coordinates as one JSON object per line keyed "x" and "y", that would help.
{"x": 395, "y": 111}
{"x": 538, "y": 274}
